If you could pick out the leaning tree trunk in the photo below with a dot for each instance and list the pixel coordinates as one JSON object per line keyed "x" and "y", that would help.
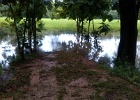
{"x": 128, "y": 31}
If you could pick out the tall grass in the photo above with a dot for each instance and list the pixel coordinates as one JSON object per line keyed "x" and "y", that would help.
{"x": 60, "y": 24}
{"x": 70, "y": 25}
{"x": 65, "y": 24}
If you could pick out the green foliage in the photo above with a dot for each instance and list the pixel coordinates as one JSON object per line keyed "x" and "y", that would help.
{"x": 40, "y": 26}
{"x": 26, "y": 16}
{"x": 115, "y": 5}
{"x": 85, "y": 10}
{"x": 104, "y": 28}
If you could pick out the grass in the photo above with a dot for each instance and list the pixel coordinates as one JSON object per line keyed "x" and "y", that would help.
{"x": 127, "y": 72}
{"x": 69, "y": 71}
{"x": 15, "y": 86}
{"x": 69, "y": 25}
{"x": 61, "y": 24}
{"x": 106, "y": 85}
{"x": 62, "y": 91}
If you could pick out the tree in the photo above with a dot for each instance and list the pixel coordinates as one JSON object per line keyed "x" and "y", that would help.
{"x": 25, "y": 15}
{"x": 85, "y": 10}
{"x": 128, "y": 33}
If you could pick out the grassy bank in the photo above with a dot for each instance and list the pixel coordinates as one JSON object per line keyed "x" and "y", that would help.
{"x": 70, "y": 25}
{"x": 65, "y": 24}
{"x": 66, "y": 75}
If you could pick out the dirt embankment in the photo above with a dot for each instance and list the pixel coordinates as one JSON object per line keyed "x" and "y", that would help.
{"x": 69, "y": 76}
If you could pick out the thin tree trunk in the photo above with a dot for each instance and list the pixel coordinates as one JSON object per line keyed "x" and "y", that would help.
{"x": 88, "y": 27}
{"x": 82, "y": 27}
{"x": 34, "y": 34}
{"x": 20, "y": 50}
{"x": 77, "y": 25}
{"x": 93, "y": 24}
{"x": 34, "y": 29}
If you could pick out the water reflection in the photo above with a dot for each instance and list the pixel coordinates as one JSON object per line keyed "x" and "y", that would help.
{"x": 109, "y": 47}
{"x": 70, "y": 41}
{"x": 6, "y": 52}
{"x": 56, "y": 42}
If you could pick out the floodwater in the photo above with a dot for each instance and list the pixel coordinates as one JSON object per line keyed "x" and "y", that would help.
{"x": 69, "y": 41}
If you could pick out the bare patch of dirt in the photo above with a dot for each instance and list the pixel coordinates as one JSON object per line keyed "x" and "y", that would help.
{"x": 42, "y": 85}
{"x": 81, "y": 82}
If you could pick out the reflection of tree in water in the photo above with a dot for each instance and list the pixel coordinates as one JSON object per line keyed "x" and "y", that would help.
{"x": 91, "y": 48}
{"x": 4, "y": 39}
{"x": 6, "y": 56}
{"x": 106, "y": 61}
{"x": 6, "y": 73}
{"x": 7, "y": 59}
{"x": 138, "y": 57}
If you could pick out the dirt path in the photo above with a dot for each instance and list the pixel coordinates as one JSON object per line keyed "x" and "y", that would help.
{"x": 69, "y": 77}
{"x": 44, "y": 85}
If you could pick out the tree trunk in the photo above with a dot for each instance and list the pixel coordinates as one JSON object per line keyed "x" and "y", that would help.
{"x": 88, "y": 26}
{"x": 128, "y": 31}
{"x": 20, "y": 49}
{"x": 34, "y": 35}
{"x": 34, "y": 29}
{"x": 92, "y": 24}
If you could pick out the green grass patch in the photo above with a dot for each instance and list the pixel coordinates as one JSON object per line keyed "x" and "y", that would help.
{"x": 2, "y": 19}
{"x": 60, "y": 24}
{"x": 68, "y": 73}
{"x": 13, "y": 87}
{"x": 72, "y": 67}
{"x": 106, "y": 86}
{"x": 62, "y": 91}
{"x": 127, "y": 72}
{"x": 113, "y": 89}
{"x": 68, "y": 25}
{"x": 21, "y": 77}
